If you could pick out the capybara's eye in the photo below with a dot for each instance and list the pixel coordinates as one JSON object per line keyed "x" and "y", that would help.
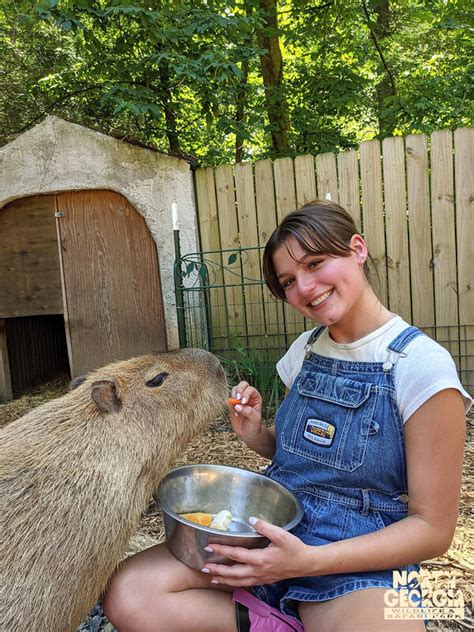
{"x": 157, "y": 380}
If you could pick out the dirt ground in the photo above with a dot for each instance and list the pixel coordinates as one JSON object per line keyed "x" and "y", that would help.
{"x": 220, "y": 445}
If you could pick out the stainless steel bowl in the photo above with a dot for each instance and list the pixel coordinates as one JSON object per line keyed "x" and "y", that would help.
{"x": 211, "y": 488}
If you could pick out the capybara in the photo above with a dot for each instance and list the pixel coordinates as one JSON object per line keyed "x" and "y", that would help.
{"x": 77, "y": 472}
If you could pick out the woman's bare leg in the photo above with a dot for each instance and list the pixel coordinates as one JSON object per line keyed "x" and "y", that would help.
{"x": 154, "y": 592}
{"x": 360, "y": 611}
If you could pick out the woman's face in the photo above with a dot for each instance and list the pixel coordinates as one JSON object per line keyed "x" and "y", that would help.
{"x": 323, "y": 288}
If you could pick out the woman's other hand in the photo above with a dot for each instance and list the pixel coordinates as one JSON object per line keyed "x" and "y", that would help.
{"x": 286, "y": 556}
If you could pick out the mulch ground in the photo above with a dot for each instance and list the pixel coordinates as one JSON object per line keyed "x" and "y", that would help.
{"x": 220, "y": 445}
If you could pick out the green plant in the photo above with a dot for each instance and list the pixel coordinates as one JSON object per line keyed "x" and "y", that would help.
{"x": 257, "y": 367}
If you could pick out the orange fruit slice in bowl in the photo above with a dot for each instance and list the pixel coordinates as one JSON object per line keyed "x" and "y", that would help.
{"x": 199, "y": 517}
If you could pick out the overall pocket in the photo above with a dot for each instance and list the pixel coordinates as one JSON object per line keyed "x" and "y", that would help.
{"x": 334, "y": 417}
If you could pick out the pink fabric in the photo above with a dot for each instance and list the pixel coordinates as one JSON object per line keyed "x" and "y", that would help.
{"x": 264, "y": 618}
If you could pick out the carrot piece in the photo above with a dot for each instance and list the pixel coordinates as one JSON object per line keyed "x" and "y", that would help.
{"x": 199, "y": 517}
{"x": 233, "y": 402}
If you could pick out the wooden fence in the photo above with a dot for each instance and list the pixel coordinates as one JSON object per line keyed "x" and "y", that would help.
{"x": 412, "y": 198}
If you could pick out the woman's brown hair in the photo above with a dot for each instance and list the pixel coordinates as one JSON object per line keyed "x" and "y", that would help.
{"x": 319, "y": 227}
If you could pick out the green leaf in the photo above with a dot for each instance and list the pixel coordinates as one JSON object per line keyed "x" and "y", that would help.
{"x": 232, "y": 258}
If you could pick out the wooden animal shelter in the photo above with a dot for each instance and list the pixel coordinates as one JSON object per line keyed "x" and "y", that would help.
{"x": 81, "y": 261}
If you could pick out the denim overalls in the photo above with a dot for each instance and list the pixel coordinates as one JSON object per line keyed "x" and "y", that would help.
{"x": 340, "y": 450}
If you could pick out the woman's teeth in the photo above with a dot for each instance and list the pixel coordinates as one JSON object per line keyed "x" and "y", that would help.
{"x": 321, "y": 298}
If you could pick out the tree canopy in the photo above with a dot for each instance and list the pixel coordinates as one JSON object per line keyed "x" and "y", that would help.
{"x": 221, "y": 80}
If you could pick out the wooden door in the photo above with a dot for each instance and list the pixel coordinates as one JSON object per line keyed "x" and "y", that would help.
{"x": 111, "y": 283}
{"x": 30, "y": 284}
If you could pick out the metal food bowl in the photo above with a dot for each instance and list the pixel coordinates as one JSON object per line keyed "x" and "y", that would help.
{"x": 211, "y": 488}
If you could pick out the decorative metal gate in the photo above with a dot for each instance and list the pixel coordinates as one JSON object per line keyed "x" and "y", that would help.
{"x": 224, "y": 306}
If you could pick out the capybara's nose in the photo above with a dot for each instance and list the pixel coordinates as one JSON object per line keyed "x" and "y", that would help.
{"x": 219, "y": 370}
{"x": 220, "y": 373}
{"x": 206, "y": 357}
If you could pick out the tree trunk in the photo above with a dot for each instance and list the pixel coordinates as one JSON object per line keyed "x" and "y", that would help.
{"x": 240, "y": 110}
{"x": 386, "y": 87}
{"x": 166, "y": 98}
{"x": 271, "y": 64}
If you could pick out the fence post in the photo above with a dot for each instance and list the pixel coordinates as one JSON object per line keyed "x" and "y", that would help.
{"x": 178, "y": 288}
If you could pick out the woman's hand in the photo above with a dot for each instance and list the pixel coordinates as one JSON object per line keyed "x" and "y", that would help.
{"x": 286, "y": 556}
{"x": 246, "y": 416}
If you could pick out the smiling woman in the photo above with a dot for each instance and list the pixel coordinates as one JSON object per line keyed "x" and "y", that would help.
{"x": 360, "y": 440}
{"x": 325, "y": 287}
{"x": 316, "y": 262}
{"x": 320, "y": 229}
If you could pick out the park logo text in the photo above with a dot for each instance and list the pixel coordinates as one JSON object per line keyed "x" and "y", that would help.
{"x": 423, "y": 595}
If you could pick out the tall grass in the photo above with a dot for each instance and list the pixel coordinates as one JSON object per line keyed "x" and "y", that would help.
{"x": 257, "y": 367}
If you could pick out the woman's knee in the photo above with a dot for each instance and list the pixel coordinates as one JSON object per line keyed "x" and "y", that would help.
{"x": 124, "y": 601}
{"x": 146, "y": 579}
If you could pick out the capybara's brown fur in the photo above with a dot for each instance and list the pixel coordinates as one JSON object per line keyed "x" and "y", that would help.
{"x": 77, "y": 472}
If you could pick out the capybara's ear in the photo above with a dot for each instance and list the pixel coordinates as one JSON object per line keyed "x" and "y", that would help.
{"x": 77, "y": 381}
{"x": 104, "y": 394}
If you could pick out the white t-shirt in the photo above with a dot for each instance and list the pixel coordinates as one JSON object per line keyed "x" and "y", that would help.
{"x": 425, "y": 369}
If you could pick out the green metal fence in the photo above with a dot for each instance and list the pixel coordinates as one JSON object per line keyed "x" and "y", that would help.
{"x": 220, "y": 307}
{"x": 224, "y": 306}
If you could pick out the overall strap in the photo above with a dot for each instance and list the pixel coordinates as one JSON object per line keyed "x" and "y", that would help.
{"x": 314, "y": 335}
{"x": 404, "y": 338}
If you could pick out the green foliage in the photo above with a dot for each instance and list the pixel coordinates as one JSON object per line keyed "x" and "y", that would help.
{"x": 184, "y": 76}
{"x": 257, "y": 367}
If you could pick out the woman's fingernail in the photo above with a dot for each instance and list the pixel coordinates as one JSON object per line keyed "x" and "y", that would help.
{"x": 205, "y": 570}
{"x": 208, "y": 549}
{"x": 238, "y": 396}
{"x": 238, "y": 408}
{"x": 214, "y": 581}
{"x": 252, "y": 520}
{"x": 244, "y": 401}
